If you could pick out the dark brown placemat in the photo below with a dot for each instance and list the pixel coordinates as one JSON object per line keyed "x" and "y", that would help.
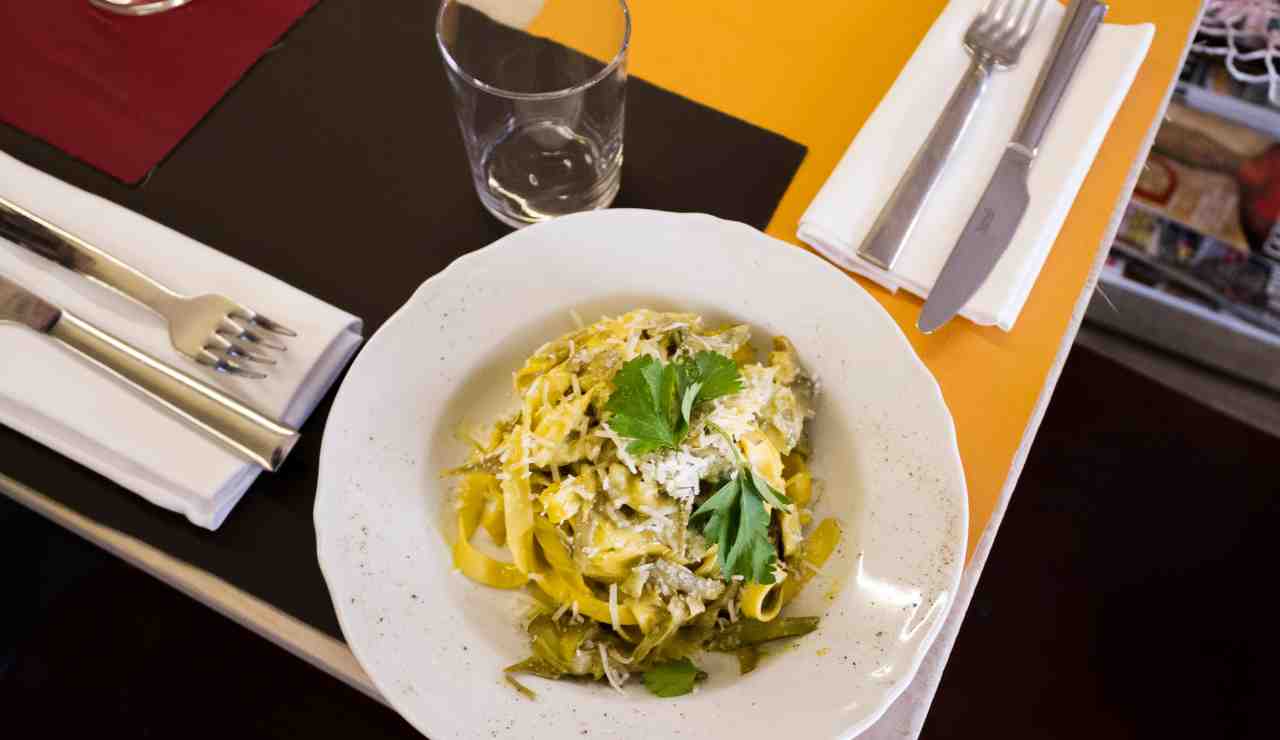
{"x": 337, "y": 166}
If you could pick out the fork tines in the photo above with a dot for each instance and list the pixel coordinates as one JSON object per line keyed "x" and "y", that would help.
{"x": 264, "y": 323}
{"x": 1003, "y": 27}
{"x": 241, "y": 337}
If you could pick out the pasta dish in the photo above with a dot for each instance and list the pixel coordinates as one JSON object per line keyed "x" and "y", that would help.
{"x": 652, "y": 491}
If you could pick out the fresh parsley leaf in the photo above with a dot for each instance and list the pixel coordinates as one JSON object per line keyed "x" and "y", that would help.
{"x": 721, "y": 508}
{"x": 718, "y": 374}
{"x": 705, "y": 377}
{"x": 738, "y": 523}
{"x": 767, "y": 492}
{"x": 643, "y": 405}
{"x": 752, "y": 546}
{"x": 674, "y": 678}
{"x": 690, "y": 398}
{"x": 653, "y": 403}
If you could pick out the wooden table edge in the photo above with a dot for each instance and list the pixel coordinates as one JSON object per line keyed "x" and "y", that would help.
{"x": 906, "y": 717}
{"x": 315, "y": 647}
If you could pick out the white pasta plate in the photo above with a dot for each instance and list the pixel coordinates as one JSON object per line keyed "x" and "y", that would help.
{"x": 435, "y": 643}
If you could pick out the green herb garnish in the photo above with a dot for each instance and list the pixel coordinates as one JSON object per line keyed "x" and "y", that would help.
{"x": 653, "y": 403}
{"x": 738, "y": 523}
{"x": 675, "y": 678}
{"x": 708, "y": 376}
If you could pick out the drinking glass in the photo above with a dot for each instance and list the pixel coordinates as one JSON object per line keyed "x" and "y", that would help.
{"x": 539, "y": 89}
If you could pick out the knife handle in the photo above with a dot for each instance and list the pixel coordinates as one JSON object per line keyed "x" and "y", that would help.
{"x": 1078, "y": 27}
{"x": 26, "y": 229}
{"x": 243, "y": 430}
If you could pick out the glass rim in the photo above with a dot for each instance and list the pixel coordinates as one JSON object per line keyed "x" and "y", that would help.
{"x": 550, "y": 94}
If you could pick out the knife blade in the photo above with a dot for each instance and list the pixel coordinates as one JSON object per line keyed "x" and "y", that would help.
{"x": 981, "y": 244}
{"x": 23, "y": 307}
{"x": 1000, "y": 210}
{"x": 239, "y": 428}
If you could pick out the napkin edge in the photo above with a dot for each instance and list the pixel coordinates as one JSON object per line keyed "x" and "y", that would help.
{"x": 88, "y": 453}
{"x": 832, "y": 248}
{"x": 323, "y": 374}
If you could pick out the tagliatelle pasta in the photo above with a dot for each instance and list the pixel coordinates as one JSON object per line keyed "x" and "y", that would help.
{"x": 653, "y": 489}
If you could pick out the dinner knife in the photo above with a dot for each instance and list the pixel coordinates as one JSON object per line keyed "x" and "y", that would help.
{"x": 1002, "y": 206}
{"x": 242, "y": 430}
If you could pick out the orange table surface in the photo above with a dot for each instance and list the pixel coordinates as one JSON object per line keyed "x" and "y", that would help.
{"x": 814, "y": 72}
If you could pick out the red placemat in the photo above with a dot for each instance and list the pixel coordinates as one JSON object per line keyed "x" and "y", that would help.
{"x": 118, "y": 91}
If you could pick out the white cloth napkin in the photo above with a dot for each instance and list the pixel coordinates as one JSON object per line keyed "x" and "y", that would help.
{"x": 63, "y": 402}
{"x": 847, "y": 205}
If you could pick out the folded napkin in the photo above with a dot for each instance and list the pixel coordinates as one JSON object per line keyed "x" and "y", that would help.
{"x": 847, "y": 205}
{"x": 63, "y": 402}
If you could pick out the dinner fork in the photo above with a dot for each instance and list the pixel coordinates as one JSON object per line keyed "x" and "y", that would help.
{"x": 994, "y": 40}
{"x": 137, "y": 7}
{"x": 211, "y": 329}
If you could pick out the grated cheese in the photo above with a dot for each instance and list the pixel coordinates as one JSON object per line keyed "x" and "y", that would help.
{"x": 659, "y": 518}
{"x": 678, "y": 472}
{"x": 624, "y": 457}
{"x": 616, "y": 679}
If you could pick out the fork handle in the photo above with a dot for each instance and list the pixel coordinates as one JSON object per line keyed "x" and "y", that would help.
{"x": 900, "y": 214}
{"x": 28, "y": 230}
{"x": 242, "y": 430}
{"x": 1078, "y": 28}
